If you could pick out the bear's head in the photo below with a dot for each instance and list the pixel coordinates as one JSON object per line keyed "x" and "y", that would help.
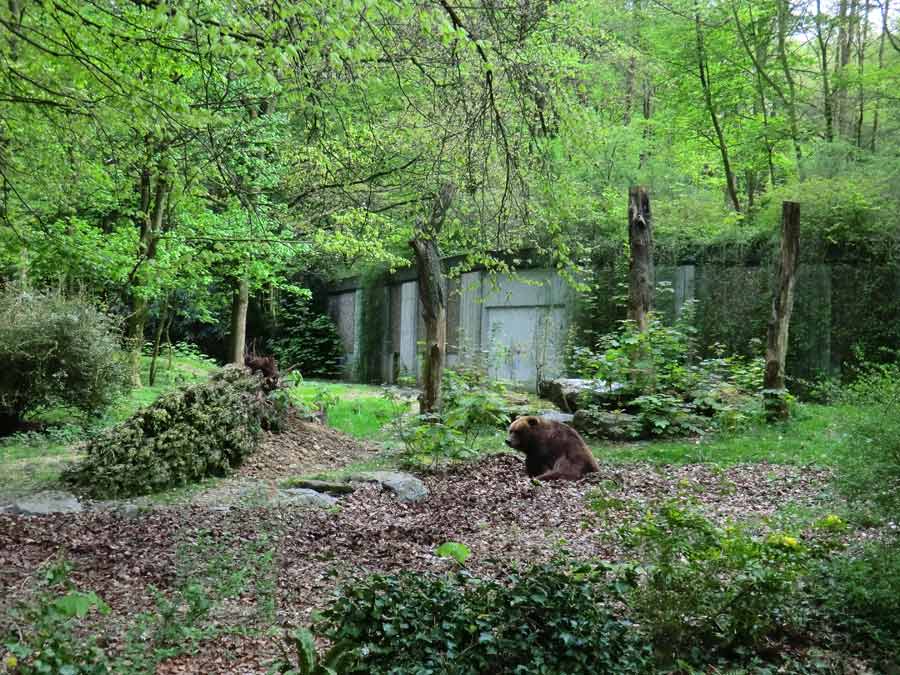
{"x": 520, "y": 430}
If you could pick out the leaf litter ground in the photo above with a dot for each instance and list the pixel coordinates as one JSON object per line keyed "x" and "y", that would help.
{"x": 489, "y": 504}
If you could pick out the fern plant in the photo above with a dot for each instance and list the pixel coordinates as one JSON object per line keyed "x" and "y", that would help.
{"x": 299, "y": 656}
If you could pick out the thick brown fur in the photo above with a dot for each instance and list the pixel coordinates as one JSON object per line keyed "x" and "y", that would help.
{"x": 267, "y": 366}
{"x": 553, "y": 450}
{"x": 262, "y": 364}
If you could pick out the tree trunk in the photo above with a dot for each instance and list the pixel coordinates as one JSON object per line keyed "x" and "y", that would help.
{"x": 434, "y": 311}
{"x": 885, "y": 8}
{"x": 151, "y": 231}
{"x": 784, "y": 10}
{"x": 780, "y": 319}
{"x": 433, "y": 299}
{"x": 863, "y": 32}
{"x": 640, "y": 237}
{"x": 135, "y": 336}
{"x": 160, "y": 329}
{"x": 706, "y": 84}
{"x": 239, "y": 304}
{"x": 822, "y": 41}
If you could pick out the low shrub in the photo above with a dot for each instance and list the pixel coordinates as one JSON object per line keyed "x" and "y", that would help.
{"x": 55, "y": 351}
{"x": 549, "y": 618}
{"x": 51, "y": 641}
{"x": 658, "y": 385}
{"x": 859, "y": 595}
{"x": 472, "y": 406}
{"x": 196, "y": 431}
{"x": 872, "y": 475}
{"x": 709, "y": 592}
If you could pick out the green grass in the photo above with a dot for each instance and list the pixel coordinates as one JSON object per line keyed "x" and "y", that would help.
{"x": 359, "y": 410}
{"x": 816, "y": 435}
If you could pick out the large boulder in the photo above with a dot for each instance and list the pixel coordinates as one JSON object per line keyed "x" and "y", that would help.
{"x": 406, "y": 487}
{"x": 565, "y": 392}
{"x": 614, "y": 426}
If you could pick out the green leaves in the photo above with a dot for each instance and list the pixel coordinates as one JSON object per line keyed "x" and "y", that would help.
{"x": 453, "y": 549}
{"x": 340, "y": 659}
{"x": 77, "y": 604}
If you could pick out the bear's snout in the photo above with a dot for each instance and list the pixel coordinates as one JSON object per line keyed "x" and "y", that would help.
{"x": 509, "y": 443}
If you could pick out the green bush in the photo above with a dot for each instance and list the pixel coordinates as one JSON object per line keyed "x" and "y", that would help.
{"x": 550, "y": 618}
{"x": 472, "y": 406}
{"x": 193, "y": 432}
{"x": 662, "y": 382}
{"x": 872, "y": 475}
{"x": 49, "y": 640}
{"x": 307, "y": 341}
{"x": 55, "y": 351}
{"x": 859, "y": 595}
{"x": 708, "y": 592}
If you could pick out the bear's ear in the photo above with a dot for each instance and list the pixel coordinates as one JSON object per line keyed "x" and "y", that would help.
{"x": 533, "y": 421}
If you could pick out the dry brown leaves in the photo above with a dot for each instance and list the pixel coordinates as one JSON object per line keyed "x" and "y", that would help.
{"x": 490, "y": 505}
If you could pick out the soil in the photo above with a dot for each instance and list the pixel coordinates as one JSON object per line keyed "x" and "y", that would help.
{"x": 490, "y": 505}
{"x": 304, "y": 448}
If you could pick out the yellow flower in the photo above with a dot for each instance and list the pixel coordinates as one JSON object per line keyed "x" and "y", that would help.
{"x": 784, "y": 540}
{"x": 832, "y": 522}
{"x": 10, "y": 661}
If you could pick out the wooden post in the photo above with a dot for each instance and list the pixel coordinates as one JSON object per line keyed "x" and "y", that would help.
{"x": 640, "y": 237}
{"x": 774, "y": 392}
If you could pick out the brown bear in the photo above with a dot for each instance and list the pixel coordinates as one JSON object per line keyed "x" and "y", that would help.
{"x": 553, "y": 450}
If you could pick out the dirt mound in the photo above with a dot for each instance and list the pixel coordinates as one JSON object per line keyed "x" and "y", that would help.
{"x": 303, "y": 448}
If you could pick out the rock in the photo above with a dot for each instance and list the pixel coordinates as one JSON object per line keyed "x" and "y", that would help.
{"x": 552, "y": 416}
{"x": 44, "y": 503}
{"x": 565, "y": 392}
{"x": 615, "y": 426}
{"x": 405, "y": 486}
{"x": 327, "y": 486}
{"x": 305, "y": 497}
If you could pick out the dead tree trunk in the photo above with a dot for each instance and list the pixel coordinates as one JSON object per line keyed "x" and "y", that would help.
{"x": 779, "y": 322}
{"x": 640, "y": 237}
{"x": 240, "y": 301}
{"x": 432, "y": 297}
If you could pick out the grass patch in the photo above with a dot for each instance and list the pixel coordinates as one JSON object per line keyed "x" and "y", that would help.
{"x": 816, "y": 435}
{"x": 360, "y": 410}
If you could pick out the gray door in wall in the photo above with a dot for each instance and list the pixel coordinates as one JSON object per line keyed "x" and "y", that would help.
{"x": 524, "y": 344}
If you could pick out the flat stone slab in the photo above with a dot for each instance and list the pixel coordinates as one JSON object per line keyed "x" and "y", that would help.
{"x": 45, "y": 503}
{"x": 305, "y": 497}
{"x": 327, "y": 486}
{"x": 405, "y": 486}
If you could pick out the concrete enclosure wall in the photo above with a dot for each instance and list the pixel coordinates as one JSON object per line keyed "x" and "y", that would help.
{"x": 515, "y": 326}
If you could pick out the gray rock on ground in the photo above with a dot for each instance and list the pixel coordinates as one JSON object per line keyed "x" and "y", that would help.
{"x": 45, "y": 503}
{"x": 405, "y": 486}
{"x": 305, "y": 497}
{"x": 614, "y": 426}
{"x": 564, "y": 392}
